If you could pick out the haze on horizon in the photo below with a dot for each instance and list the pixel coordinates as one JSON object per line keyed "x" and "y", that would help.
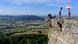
{"x": 37, "y": 7}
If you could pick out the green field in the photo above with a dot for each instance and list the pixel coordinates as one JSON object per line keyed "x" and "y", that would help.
{"x": 22, "y": 27}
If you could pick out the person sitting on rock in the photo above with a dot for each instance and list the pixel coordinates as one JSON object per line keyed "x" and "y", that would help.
{"x": 49, "y": 20}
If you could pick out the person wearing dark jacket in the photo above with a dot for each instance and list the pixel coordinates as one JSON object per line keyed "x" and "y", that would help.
{"x": 49, "y": 20}
{"x": 60, "y": 12}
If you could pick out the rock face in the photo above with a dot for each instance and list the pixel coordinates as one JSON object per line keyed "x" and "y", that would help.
{"x": 67, "y": 36}
{"x": 64, "y": 37}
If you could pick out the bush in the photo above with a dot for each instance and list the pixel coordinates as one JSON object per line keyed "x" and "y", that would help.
{"x": 25, "y": 39}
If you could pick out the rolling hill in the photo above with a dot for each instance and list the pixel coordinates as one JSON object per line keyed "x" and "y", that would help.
{"x": 21, "y": 17}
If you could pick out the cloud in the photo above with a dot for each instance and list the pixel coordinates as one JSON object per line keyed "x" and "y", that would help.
{"x": 27, "y": 1}
{"x": 46, "y": 2}
{"x": 37, "y": 1}
{"x": 50, "y": 4}
{"x": 57, "y": 3}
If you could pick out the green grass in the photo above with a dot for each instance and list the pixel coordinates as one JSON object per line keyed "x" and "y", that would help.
{"x": 22, "y": 29}
{"x": 41, "y": 26}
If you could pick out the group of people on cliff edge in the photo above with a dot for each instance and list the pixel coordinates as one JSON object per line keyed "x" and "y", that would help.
{"x": 60, "y": 20}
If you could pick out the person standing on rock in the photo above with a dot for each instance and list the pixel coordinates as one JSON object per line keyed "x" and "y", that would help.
{"x": 69, "y": 12}
{"x": 60, "y": 12}
{"x": 60, "y": 20}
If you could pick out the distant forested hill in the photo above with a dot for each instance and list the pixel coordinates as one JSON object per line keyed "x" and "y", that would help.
{"x": 21, "y": 17}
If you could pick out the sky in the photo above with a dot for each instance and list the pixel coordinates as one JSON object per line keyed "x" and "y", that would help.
{"x": 37, "y": 7}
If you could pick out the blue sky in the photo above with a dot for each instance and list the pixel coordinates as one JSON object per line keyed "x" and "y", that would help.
{"x": 37, "y": 7}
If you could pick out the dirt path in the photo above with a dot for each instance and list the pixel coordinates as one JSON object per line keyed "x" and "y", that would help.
{"x": 33, "y": 31}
